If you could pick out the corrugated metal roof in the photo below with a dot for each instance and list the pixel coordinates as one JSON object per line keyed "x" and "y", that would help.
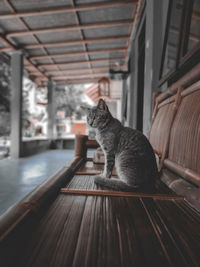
{"x": 71, "y": 34}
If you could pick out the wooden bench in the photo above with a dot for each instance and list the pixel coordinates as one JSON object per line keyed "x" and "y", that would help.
{"x": 175, "y": 136}
{"x": 70, "y": 221}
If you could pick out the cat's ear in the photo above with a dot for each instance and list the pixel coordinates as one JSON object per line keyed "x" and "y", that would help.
{"x": 102, "y": 105}
{"x": 85, "y": 108}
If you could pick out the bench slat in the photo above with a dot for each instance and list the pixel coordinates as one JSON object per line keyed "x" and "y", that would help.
{"x": 117, "y": 194}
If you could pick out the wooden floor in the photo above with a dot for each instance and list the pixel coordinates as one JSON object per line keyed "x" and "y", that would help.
{"x": 84, "y": 230}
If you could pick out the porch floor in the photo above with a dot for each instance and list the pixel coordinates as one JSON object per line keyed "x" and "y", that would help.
{"x": 18, "y": 177}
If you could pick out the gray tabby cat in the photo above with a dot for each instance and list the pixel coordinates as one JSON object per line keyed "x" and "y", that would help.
{"x": 127, "y": 149}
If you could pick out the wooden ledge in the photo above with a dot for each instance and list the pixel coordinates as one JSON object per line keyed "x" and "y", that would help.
{"x": 87, "y": 173}
{"x": 118, "y": 194}
{"x": 91, "y": 173}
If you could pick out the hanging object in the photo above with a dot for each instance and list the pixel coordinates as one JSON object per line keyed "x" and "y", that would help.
{"x": 104, "y": 87}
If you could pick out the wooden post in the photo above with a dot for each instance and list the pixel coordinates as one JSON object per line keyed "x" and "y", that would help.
{"x": 16, "y": 103}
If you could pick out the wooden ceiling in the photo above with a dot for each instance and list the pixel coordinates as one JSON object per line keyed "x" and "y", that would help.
{"x": 69, "y": 41}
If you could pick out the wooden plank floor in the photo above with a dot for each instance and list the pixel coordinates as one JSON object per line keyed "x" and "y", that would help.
{"x": 114, "y": 231}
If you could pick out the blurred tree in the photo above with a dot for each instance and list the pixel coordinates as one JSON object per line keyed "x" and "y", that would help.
{"x": 5, "y": 94}
{"x": 26, "y": 114}
{"x": 4, "y": 98}
{"x": 4, "y": 87}
{"x": 69, "y": 100}
{"x": 4, "y": 123}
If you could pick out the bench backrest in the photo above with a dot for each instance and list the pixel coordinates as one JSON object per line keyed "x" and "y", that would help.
{"x": 175, "y": 129}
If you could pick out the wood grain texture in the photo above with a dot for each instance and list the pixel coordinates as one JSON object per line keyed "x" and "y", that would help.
{"x": 105, "y": 231}
{"x": 161, "y": 127}
{"x": 96, "y": 230}
{"x": 91, "y": 168}
{"x": 86, "y": 182}
{"x": 175, "y": 130}
{"x": 185, "y": 135}
{"x": 117, "y": 194}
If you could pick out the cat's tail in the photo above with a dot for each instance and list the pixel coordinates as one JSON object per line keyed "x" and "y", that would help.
{"x": 115, "y": 184}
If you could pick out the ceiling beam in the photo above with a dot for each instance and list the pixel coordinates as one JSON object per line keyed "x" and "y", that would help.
{"x": 77, "y": 27}
{"x": 78, "y": 53}
{"x": 69, "y": 43}
{"x": 77, "y": 42}
{"x": 71, "y": 27}
{"x": 82, "y": 80}
{"x": 12, "y": 9}
{"x": 80, "y": 62}
{"x": 6, "y": 49}
{"x": 67, "y": 9}
{"x": 191, "y": 36}
{"x": 172, "y": 45}
{"x": 58, "y": 72}
{"x": 88, "y": 75}
{"x": 81, "y": 36}
{"x": 104, "y": 68}
{"x": 61, "y": 73}
{"x": 195, "y": 14}
{"x": 27, "y": 60}
{"x": 9, "y": 45}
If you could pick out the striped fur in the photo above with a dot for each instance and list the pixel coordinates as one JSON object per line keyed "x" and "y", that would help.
{"x": 127, "y": 149}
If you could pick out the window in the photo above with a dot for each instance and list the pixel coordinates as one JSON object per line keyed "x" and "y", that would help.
{"x": 172, "y": 36}
{"x": 194, "y": 33}
{"x": 182, "y": 38}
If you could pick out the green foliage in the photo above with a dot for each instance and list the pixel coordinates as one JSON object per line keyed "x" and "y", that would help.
{"x": 4, "y": 123}
{"x": 4, "y": 87}
{"x": 27, "y": 87}
{"x": 69, "y": 99}
{"x": 4, "y": 99}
